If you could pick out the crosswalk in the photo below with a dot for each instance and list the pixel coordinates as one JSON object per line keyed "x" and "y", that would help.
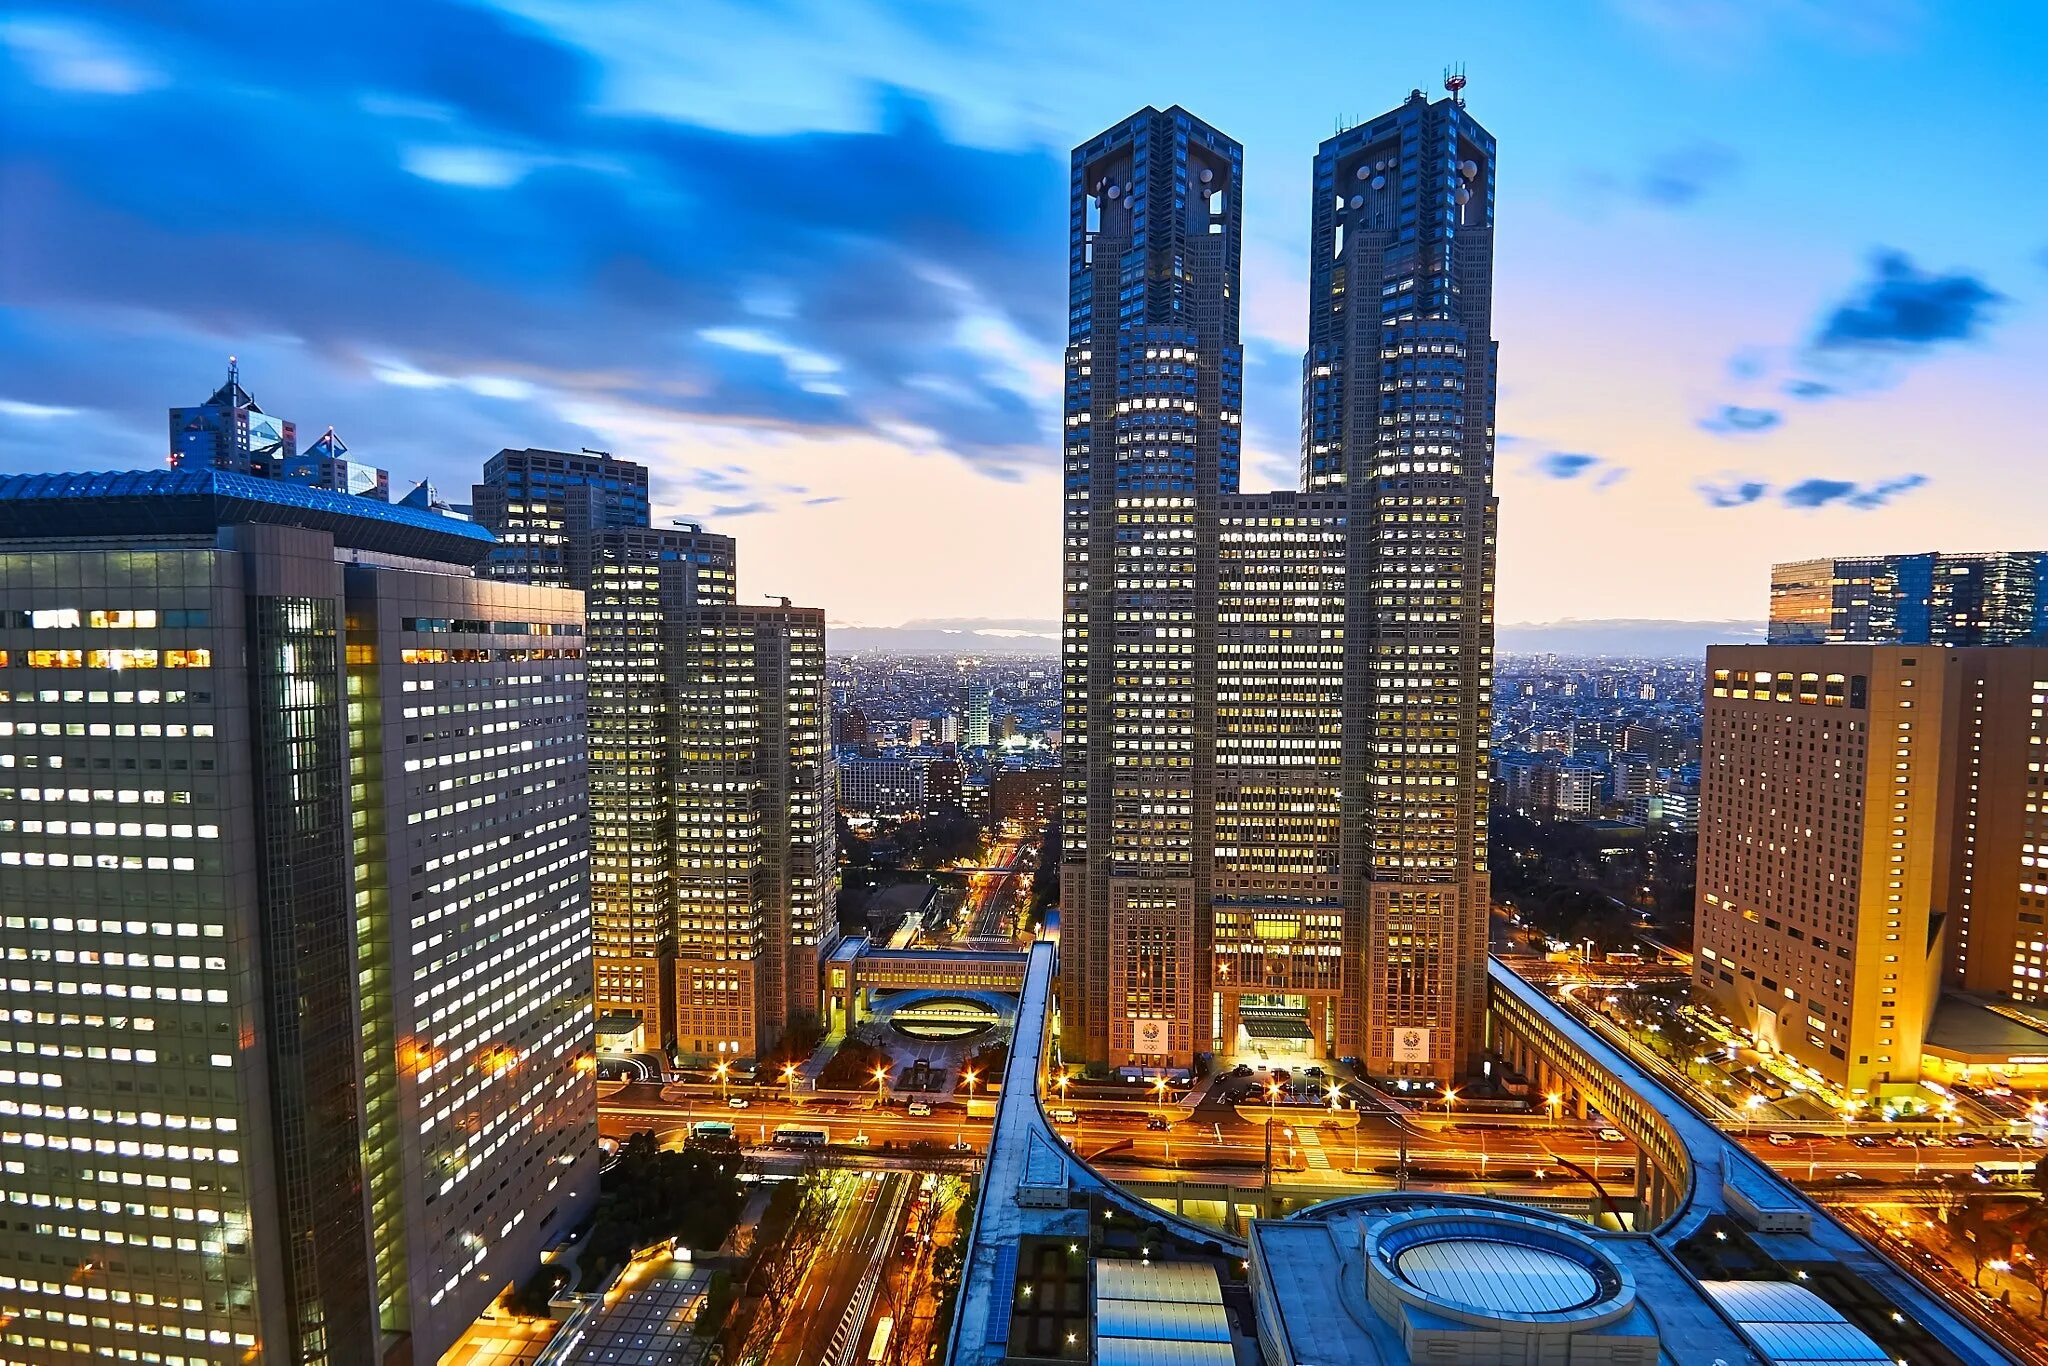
{"x": 1311, "y": 1144}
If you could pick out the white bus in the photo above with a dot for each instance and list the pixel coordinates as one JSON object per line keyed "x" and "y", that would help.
{"x": 878, "y": 1348}
{"x": 800, "y": 1136}
{"x": 2003, "y": 1173}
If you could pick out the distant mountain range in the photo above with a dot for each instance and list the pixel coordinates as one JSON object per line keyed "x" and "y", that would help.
{"x": 1628, "y": 637}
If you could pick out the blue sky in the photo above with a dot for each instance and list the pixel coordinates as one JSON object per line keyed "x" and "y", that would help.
{"x": 1771, "y": 273}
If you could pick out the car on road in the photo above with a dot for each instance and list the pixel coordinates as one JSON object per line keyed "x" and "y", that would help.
{"x": 1782, "y": 1140}
{"x": 1155, "y": 1121}
{"x": 1851, "y": 1178}
{"x": 1965, "y": 1140}
{"x": 1613, "y": 1136}
{"x": 920, "y": 1107}
{"x": 1064, "y": 1116}
{"x": 1901, "y": 1141}
{"x": 1867, "y": 1141}
{"x": 961, "y": 1145}
{"x": 736, "y": 1103}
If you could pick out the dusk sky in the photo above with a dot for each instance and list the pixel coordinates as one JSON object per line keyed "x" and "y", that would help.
{"x": 1771, "y": 273}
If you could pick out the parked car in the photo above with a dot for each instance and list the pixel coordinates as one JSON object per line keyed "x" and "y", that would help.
{"x": 1155, "y": 1121}
{"x": 736, "y": 1103}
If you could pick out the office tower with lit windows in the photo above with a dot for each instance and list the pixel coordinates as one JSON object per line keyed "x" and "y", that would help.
{"x": 1934, "y": 598}
{"x": 1872, "y": 824}
{"x": 684, "y": 883}
{"x": 1154, "y": 382}
{"x": 1277, "y": 705}
{"x": 292, "y": 826}
{"x": 545, "y": 505}
{"x": 756, "y": 852}
{"x": 974, "y": 711}
{"x": 230, "y": 432}
{"x": 1397, "y": 414}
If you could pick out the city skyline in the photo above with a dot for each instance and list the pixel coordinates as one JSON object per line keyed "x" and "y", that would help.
{"x": 1772, "y": 421}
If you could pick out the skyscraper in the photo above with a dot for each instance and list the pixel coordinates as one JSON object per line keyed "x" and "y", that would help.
{"x": 229, "y": 432}
{"x": 1154, "y": 378}
{"x": 974, "y": 707}
{"x": 1277, "y": 705}
{"x": 1397, "y": 412}
{"x": 713, "y": 844}
{"x": 1933, "y": 598}
{"x": 292, "y": 825}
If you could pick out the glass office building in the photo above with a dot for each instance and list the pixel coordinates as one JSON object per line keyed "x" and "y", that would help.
{"x": 296, "y": 1028}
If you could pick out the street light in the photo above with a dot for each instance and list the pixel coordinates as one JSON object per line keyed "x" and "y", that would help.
{"x": 1556, "y": 1100}
{"x": 1450, "y": 1099}
{"x": 1159, "y": 1088}
{"x": 789, "y": 1075}
{"x": 1752, "y": 1105}
{"x": 881, "y": 1081}
{"x": 722, "y": 1069}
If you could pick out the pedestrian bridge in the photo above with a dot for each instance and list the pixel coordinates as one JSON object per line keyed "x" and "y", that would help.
{"x": 858, "y": 968}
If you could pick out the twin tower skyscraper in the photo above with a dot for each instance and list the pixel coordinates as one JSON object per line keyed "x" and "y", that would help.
{"x": 1277, "y": 705}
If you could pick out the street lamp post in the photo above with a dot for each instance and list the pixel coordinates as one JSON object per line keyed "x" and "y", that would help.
{"x": 1450, "y": 1099}
{"x": 1750, "y": 1107}
{"x": 789, "y": 1075}
{"x": 1272, "y": 1100}
{"x": 722, "y": 1069}
{"x": 881, "y": 1085}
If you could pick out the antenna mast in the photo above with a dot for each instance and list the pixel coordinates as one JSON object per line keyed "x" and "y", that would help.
{"x": 1454, "y": 81}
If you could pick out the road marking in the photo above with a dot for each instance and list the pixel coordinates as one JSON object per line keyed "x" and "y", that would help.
{"x": 1312, "y": 1148}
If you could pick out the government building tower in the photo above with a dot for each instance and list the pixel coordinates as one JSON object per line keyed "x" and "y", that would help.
{"x": 1278, "y": 704}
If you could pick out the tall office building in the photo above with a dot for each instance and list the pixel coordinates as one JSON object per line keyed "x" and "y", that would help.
{"x": 1154, "y": 383}
{"x": 974, "y": 710}
{"x": 710, "y": 757}
{"x": 1397, "y": 413}
{"x": 1277, "y": 705}
{"x": 1871, "y": 825}
{"x": 292, "y": 826}
{"x": 545, "y": 505}
{"x": 1935, "y": 598}
{"x": 230, "y": 432}
{"x": 756, "y": 835}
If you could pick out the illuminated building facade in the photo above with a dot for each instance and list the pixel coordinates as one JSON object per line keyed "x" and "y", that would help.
{"x": 1873, "y": 825}
{"x": 545, "y": 506}
{"x": 292, "y": 821}
{"x": 1278, "y": 705}
{"x": 974, "y": 729}
{"x": 1998, "y": 598}
{"x": 756, "y": 867}
{"x": 705, "y": 767}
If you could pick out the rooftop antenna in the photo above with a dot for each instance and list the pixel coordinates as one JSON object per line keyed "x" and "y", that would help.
{"x": 234, "y": 376}
{"x": 1454, "y": 81}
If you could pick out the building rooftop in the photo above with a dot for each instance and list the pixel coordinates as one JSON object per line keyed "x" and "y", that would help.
{"x": 189, "y": 502}
{"x": 1968, "y": 1028}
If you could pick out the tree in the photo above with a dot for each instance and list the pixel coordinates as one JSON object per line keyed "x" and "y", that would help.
{"x": 1986, "y": 1238}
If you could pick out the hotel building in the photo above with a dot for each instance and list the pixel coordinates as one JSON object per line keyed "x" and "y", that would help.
{"x": 1872, "y": 832}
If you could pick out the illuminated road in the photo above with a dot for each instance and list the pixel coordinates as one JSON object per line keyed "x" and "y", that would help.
{"x": 989, "y": 906}
{"x": 867, "y": 1208}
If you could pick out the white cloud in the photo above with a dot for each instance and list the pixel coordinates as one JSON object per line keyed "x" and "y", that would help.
{"x": 64, "y": 56}
{"x": 474, "y": 168}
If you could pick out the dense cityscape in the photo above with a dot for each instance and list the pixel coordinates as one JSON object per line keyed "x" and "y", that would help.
{"x": 457, "y": 924}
